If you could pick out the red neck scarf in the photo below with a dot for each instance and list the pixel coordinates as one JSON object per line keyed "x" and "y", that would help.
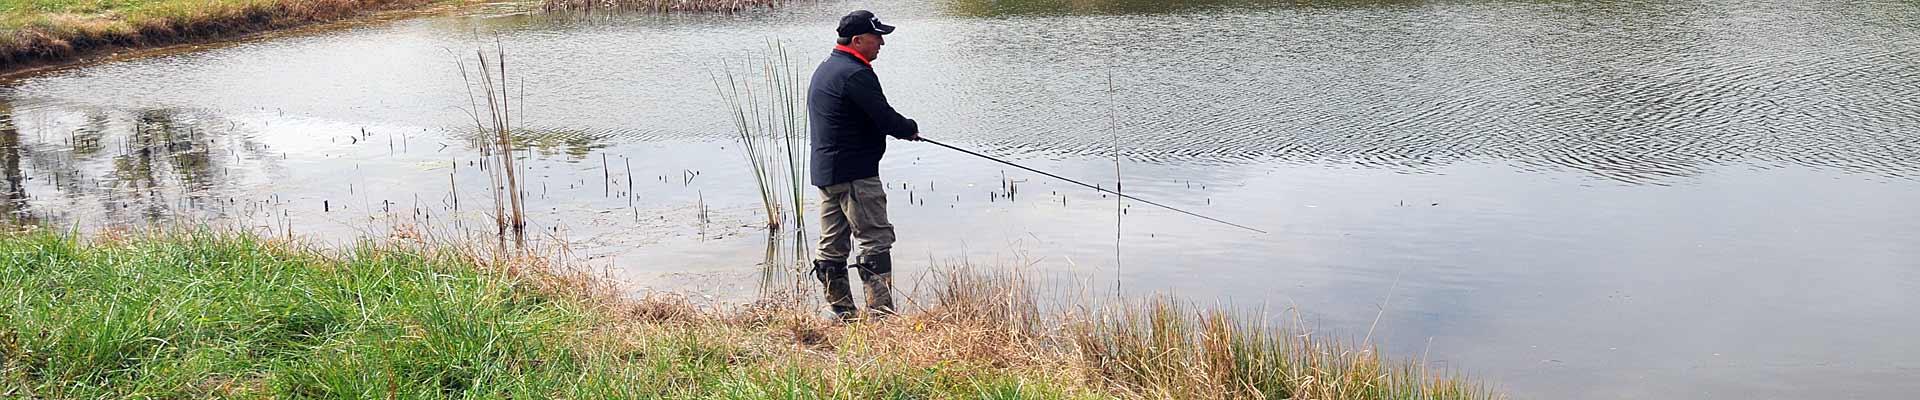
{"x": 855, "y": 53}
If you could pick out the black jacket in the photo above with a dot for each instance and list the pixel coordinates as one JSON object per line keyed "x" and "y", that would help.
{"x": 850, "y": 119}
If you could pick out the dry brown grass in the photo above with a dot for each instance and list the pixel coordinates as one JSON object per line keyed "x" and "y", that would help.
{"x": 990, "y": 322}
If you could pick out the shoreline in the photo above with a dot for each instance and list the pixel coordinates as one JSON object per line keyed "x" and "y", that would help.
{"x": 197, "y": 313}
{"x": 33, "y": 43}
{"x": 53, "y": 41}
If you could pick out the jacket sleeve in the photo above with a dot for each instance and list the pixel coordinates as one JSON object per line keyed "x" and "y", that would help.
{"x": 863, "y": 88}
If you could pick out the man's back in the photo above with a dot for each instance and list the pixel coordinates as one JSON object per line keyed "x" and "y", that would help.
{"x": 849, "y": 120}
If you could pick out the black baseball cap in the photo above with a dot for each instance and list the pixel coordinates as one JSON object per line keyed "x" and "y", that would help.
{"x": 861, "y": 21}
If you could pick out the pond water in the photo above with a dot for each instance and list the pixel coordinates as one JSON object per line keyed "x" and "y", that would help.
{"x": 1587, "y": 200}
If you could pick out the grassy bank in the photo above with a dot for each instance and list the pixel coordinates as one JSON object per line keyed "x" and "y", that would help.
{"x": 44, "y": 31}
{"x": 226, "y": 315}
{"x": 40, "y": 32}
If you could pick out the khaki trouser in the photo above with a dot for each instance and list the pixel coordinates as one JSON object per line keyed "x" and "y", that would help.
{"x": 856, "y": 210}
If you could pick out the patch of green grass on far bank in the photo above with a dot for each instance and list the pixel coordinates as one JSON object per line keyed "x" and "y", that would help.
{"x": 199, "y": 315}
{"x": 52, "y": 30}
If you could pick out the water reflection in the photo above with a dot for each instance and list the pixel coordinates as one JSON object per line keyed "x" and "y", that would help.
{"x": 787, "y": 267}
{"x": 14, "y": 205}
{"x": 1631, "y": 92}
{"x": 142, "y": 166}
{"x": 95, "y": 167}
{"x": 1001, "y": 8}
{"x": 572, "y": 144}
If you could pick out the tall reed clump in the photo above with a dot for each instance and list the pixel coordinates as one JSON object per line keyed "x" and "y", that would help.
{"x": 770, "y": 120}
{"x": 489, "y": 77}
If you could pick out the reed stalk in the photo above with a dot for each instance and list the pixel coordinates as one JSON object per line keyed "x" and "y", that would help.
{"x": 509, "y": 203}
{"x": 771, "y": 126}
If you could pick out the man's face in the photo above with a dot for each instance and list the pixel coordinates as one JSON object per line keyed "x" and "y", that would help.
{"x": 868, "y": 44}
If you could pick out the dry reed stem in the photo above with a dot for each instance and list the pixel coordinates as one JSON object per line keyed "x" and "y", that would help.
{"x": 772, "y": 126}
{"x": 509, "y": 202}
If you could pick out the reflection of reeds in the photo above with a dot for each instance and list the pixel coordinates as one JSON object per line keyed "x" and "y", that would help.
{"x": 508, "y": 201}
{"x": 772, "y": 127}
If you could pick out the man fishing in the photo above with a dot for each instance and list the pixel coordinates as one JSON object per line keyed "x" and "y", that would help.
{"x": 850, "y": 120}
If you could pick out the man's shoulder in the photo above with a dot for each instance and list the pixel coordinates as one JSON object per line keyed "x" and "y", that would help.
{"x": 837, "y": 73}
{"x": 843, "y": 60}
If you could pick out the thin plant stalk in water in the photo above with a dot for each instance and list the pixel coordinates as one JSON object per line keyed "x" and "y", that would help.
{"x": 497, "y": 141}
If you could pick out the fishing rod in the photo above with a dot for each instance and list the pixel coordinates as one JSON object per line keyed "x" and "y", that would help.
{"x": 970, "y": 152}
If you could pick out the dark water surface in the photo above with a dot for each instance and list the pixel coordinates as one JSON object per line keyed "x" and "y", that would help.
{"x": 1575, "y": 199}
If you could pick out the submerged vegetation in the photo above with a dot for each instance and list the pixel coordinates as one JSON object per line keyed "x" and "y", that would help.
{"x": 204, "y": 314}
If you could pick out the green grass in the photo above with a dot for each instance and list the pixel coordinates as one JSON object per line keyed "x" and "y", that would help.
{"x": 54, "y": 30}
{"x": 203, "y": 315}
{"x": 16, "y": 11}
{"x": 17, "y": 14}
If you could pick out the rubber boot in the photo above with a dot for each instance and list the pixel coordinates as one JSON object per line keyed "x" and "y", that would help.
{"x": 833, "y": 275}
{"x": 876, "y": 272}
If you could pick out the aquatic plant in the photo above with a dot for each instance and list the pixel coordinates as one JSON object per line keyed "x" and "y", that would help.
{"x": 490, "y": 78}
{"x": 770, "y": 121}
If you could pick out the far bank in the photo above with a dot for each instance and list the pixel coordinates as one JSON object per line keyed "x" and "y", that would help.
{"x": 47, "y": 33}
